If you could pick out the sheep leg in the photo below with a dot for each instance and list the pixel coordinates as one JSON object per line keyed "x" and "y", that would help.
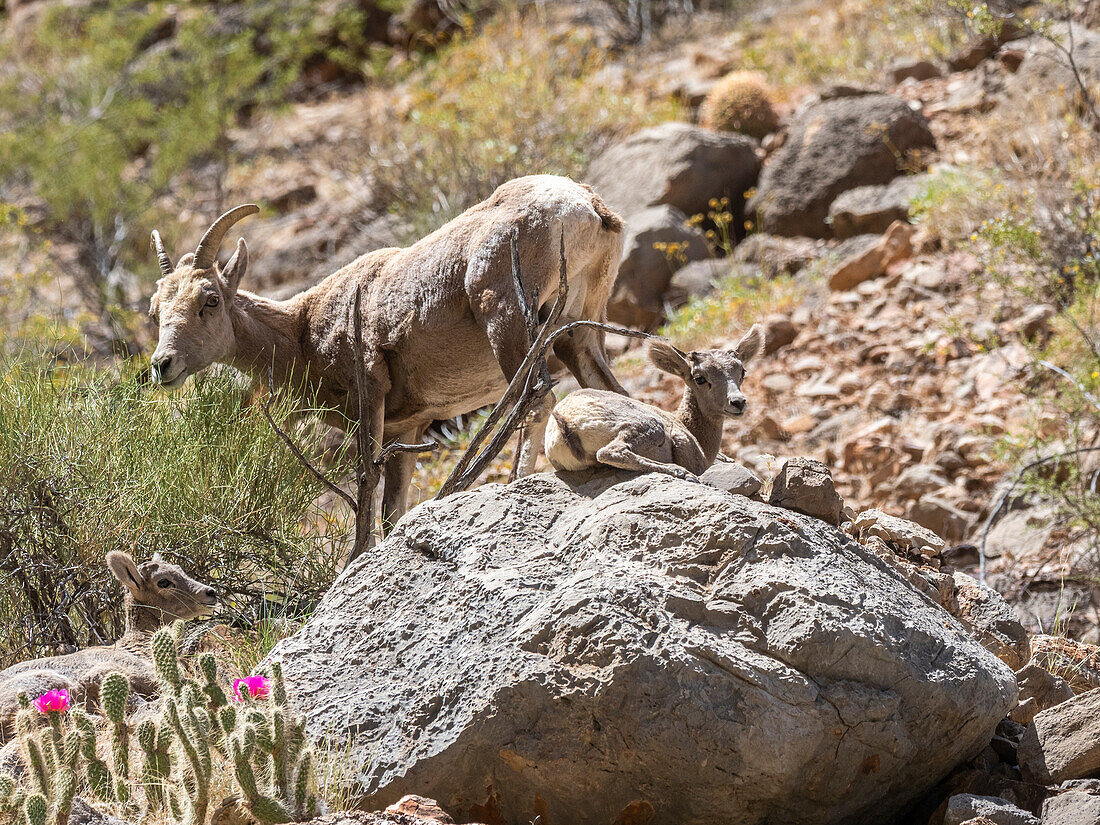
{"x": 531, "y": 438}
{"x": 508, "y": 336}
{"x": 398, "y": 475}
{"x": 621, "y": 452}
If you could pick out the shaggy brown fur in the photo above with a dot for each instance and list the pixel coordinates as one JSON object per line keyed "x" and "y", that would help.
{"x": 442, "y": 326}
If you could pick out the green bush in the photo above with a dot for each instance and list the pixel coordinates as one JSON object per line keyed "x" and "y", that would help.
{"x": 89, "y": 464}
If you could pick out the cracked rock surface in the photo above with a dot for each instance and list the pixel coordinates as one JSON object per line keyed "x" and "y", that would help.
{"x": 584, "y": 648}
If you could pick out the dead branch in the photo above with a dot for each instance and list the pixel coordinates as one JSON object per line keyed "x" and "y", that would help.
{"x": 368, "y": 466}
{"x": 1080, "y": 387}
{"x": 526, "y": 387}
{"x": 367, "y": 473}
{"x": 515, "y": 389}
{"x": 1003, "y": 498}
{"x": 397, "y": 447}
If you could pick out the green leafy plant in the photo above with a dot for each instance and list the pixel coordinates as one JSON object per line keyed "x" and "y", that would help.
{"x": 91, "y": 463}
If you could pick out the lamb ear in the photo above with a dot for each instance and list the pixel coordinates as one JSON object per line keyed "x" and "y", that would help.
{"x": 125, "y": 570}
{"x": 667, "y": 358}
{"x": 235, "y": 268}
{"x": 750, "y": 344}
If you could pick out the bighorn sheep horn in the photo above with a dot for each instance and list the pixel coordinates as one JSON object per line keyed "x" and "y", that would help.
{"x": 208, "y": 246}
{"x": 165, "y": 262}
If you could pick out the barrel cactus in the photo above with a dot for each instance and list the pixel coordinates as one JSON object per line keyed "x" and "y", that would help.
{"x": 740, "y": 102}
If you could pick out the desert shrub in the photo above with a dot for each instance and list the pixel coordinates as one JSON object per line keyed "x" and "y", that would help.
{"x": 1045, "y": 249}
{"x": 741, "y": 102}
{"x": 954, "y": 202}
{"x": 840, "y": 40}
{"x": 106, "y": 108}
{"x": 511, "y": 100}
{"x": 90, "y": 463}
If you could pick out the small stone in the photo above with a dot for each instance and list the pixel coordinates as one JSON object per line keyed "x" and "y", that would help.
{"x": 779, "y": 331}
{"x": 420, "y": 807}
{"x": 918, "y": 480}
{"x": 768, "y": 429}
{"x": 1072, "y": 808}
{"x": 777, "y": 382}
{"x": 733, "y": 478}
{"x": 950, "y": 462}
{"x": 806, "y": 486}
{"x": 1063, "y": 742}
{"x": 1034, "y": 321}
{"x": 918, "y": 70}
{"x": 796, "y": 425}
{"x": 992, "y": 621}
{"x": 965, "y": 807}
{"x": 940, "y": 516}
{"x": 894, "y": 246}
{"x": 903, "y": 533}
{"x": 1039, "y": 690}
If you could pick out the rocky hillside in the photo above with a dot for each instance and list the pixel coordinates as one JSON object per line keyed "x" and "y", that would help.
{"x": 894, "y": 355}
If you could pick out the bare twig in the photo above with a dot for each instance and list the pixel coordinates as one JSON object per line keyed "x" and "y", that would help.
{"x": 367, "y": 473}
{"x": 397, "y": 447}
{"x": 1080, "y": 387}
{"x": 369, "y": 467}
{"x": 298, "y": 454}
{"x": 1002, "y": 500}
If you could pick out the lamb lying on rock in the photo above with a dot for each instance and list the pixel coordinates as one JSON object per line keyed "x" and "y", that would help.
{"x": 157, "y": 594}
{"x": 591, "y": 427}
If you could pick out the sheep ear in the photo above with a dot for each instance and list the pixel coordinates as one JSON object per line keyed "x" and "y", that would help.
{"x": 667, "y": 358}
{"x": 236, "y": 267}
{"x": 125, "y": 570}
{"x": 750, "y": 345}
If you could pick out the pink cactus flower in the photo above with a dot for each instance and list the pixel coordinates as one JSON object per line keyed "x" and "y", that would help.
{"x": 257, "y": 687}
{"x": 53, "y": 701}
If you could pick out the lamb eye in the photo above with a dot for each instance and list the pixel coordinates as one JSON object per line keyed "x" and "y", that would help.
{"x": 700, "y": 380}
{"x": 213, "y": 301}
{"x": 164, "y": 583}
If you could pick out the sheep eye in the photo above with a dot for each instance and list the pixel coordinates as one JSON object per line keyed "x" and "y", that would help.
{"x": 212, "y": 301}
{"x": 164, "y": 583}
{"x": 700, "y": 380}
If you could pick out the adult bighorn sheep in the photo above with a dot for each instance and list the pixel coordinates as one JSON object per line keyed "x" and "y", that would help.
{"x": 156, "y": 594}
{"x": 591, "y": 427}
{"x": 443, "y": 332}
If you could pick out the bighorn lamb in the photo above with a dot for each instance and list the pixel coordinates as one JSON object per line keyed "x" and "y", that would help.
{"x": 442, "y": 326}
{"x": 156, "y": 594}
{"x": 591, "y": 427}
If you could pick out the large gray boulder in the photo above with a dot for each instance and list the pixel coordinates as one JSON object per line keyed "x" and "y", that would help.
{"x": 833, "y": 146}
{"x": 589, "y": 647}
{"x": 676, "y": 164}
